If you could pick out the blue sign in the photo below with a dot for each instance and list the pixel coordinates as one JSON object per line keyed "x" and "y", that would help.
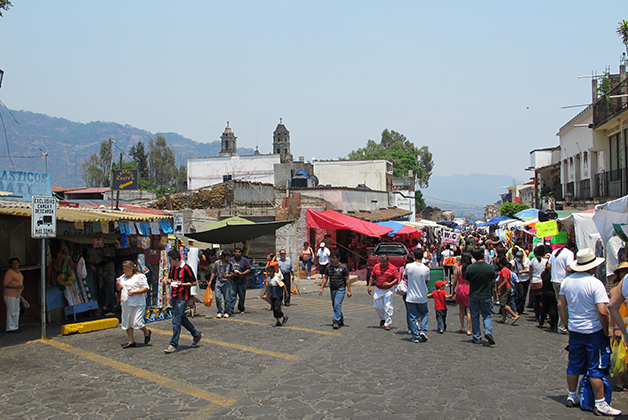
{"x": 24, "y": 185}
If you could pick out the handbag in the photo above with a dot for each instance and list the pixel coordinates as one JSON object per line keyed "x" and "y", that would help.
{"x": 618, "y": 358}
{"x": 208, "y": 297}
{"x": 402, "y": 287}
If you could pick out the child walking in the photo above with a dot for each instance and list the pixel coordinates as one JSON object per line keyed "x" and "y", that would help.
{"x": 277, "y": 289}
{"x": 440, "y": 305}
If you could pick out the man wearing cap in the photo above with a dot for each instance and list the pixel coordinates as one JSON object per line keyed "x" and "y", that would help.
{"x": 323, "y": 258}
{"x": 559, "y": 262}
{"x": 582, "y": 307}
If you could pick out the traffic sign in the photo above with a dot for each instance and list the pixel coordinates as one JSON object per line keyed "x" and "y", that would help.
{"x": 178, "y": 224}
{"x": 125, "y": 179}
{"x": 43, "y": 217}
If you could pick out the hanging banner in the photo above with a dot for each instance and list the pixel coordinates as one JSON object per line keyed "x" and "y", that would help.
{"x": 545, "y": 229}
{"x": 450, "y": 237}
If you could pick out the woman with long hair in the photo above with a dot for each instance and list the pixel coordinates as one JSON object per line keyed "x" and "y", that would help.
{"x": 461, "y": 290}
{"x": 307, "y": 259}
{"x": 132, "y": 285}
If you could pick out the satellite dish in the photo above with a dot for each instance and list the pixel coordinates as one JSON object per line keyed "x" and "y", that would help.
{"x": 314, "y": 180}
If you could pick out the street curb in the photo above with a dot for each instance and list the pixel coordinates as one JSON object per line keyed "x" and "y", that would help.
{"x": 89, "y": 326}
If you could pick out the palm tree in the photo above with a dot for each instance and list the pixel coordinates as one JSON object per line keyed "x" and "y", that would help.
{"x": 622, "y": 31}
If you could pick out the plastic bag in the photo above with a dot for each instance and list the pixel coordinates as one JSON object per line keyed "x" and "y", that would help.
{"x": 208, "y": 297}
{"x": 618, "y": 358}
{"x": 585, "y": 393}
{"x": 402, "y": 287}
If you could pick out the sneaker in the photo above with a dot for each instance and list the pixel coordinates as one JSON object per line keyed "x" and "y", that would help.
{"x": 170, "y": 349}
{"x": 341, "y": 324}
{"x": 387, "y": 327}
{"x": 422, "y": 337}
{"x": 197, "y": 339}
{"x": 225, "y": 316}
{"x": 335, "y": 326}
{"x": 572, "y": 403}
{"x": 416, "y": 340}
{"x": 489, "y": 338}
{"x": 241, "y": 312}
{"x": 147, "y": 337}
{"x": 278, "y": 324}
{"x": 604, "y": 409}
{"x": 285, "y": 319}
{"x": 440, "y": 331}
{"x": 218, "y": 315}
{"x": 381, "y": 322}
{"x": 562, "y": 330}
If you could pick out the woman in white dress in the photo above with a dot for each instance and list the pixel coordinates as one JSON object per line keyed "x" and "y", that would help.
{"x": 132, "y": 285}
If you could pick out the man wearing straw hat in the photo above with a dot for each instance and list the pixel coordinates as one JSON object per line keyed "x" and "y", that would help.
{"x": 582, "y": 307}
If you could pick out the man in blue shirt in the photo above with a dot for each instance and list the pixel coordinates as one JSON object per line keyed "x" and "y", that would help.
{"x": 285, "y": 266}
{"x": 241, "y": 269}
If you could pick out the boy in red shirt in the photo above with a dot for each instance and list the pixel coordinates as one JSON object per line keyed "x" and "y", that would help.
{"x": 440, "y": 305}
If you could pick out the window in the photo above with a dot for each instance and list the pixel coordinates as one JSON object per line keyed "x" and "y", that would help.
{"x": 615, "y": 152}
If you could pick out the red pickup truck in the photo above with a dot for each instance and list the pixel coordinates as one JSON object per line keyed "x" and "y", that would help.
{"x": 397, "y": 255}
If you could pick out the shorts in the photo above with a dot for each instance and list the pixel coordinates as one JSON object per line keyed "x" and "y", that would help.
{"x": 448, "y": 270}
{"x": 589, "y": 353}
{"x": 504, "y": 298}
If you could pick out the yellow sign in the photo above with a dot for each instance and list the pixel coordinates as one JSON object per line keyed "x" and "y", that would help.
{"x": 545, "y": 229}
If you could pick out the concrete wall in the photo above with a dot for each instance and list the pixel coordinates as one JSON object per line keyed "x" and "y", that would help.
{"x": 285, "y": 171}
{"x": 203, "y": 172}
{"x": 342, "y": 199}
{"x": 405, "y": 200}
{"x": 246, "y": 194}
{"x": 376, "y": 174}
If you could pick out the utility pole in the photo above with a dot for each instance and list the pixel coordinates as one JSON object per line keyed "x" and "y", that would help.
{"x": 111, "y": 142}
{"x": 118, "y": 192}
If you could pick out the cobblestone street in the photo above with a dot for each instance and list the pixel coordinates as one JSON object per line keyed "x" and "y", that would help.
{"x": 246, "y": 368}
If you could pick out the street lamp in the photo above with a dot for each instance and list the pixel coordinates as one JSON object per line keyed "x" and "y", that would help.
{"x": 569, "y": 198}
{"x": 1, "y": 76}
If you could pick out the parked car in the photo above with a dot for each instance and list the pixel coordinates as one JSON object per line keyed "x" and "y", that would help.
{"x": 397, "y": 253}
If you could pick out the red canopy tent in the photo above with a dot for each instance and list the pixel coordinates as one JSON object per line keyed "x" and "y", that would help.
{"x": 330, "y": 219}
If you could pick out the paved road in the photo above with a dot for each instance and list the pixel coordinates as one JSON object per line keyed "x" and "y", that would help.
{"x": 246, "y": 368}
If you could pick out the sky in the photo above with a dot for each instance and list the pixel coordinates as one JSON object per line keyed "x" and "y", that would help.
{"x": 480, "y": 83}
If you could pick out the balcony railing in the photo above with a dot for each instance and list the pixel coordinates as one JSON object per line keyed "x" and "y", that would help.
{"x": 606, "y": 107}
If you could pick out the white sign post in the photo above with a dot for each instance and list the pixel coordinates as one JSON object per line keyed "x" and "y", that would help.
{"x": 43, "y": 225}
{"x": 44, "y": 217}
{"x": 178, "y": 224}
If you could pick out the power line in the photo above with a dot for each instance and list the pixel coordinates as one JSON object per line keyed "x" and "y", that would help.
{"x": 7, "y": 140}
{"x": 453, "y": 202}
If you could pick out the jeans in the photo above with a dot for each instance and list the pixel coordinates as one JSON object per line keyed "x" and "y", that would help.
{"x": 484, "y": 307}
{"x": 238, "y": 292}
{"x": 307, "y": 267}
{"x": 223, "y": 296}
{"x": 287, "y": 279}
{"x": 441, "y": 319}
{"x": 337, "y": 296}
{"x": 521, "y": 292}
{"x": 110, "y": 295}
{"x": 416, "y": 312}
{"x": 178, "y": 319}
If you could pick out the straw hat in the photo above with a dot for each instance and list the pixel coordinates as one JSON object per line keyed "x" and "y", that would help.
{"x": 622, "y": 265}
{"x": 585, "y": 260}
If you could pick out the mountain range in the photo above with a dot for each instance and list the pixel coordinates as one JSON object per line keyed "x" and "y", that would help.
{"x": 466, "y": 194}
{"x": 68, "y": 144}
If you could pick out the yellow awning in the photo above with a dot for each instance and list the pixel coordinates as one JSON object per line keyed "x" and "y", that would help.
{"x": 82, "y": 215}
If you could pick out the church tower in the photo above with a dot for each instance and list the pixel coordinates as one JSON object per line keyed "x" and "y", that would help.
{"x": 228, "y": 143}
{"x": 281, "y": 142}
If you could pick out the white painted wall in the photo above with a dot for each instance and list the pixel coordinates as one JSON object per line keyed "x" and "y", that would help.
{"x": 204, "y": 172}
{"x": 350, "y": 173}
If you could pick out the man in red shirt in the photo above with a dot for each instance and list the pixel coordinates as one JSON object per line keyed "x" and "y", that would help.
{"x": 181, "y": 278}
{"x": 385, "y": 276}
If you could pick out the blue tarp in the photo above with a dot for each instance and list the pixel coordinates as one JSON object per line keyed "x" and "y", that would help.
{"x": 494, "y": 221}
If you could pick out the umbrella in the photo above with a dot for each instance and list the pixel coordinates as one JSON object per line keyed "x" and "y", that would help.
{"x": 494, "y": 221}
{"x": 236, "y": 229}
{"x": 448, "y": 223}
{"x": 528, "y": 214}
{"x": 399, "y": 228}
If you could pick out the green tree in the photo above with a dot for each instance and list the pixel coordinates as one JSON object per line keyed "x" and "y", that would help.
{"x": 404, "y": 155}
{"x": 97, "y": 169}
{"x": 138, "y": 153}
{"x": 182, "y": 178}
{"x": 161, "y": 162}
{"x": 622, "y": 31}
{"x": 4, "y": 5}
{"x": 510, "y": 209}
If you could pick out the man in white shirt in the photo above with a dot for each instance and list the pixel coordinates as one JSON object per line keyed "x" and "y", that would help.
{"x": 521, "y": 266}
{"x": 417, "y": 274}
{"x": 582, "y": 306}
{"x": 559, "y": 262}
{"x": 323, "y": 259}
